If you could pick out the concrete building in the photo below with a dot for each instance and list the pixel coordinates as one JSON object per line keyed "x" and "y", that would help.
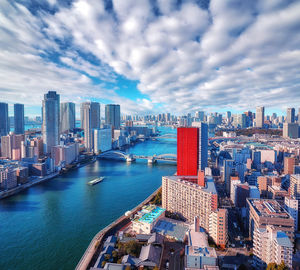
{"x": 290, "y": 130}
{"x": 263, "y": 212}
{"x": 67, "y": 116}
{"x": 8, "y": 178}
{"x": 295, "y": 186}
{"x": 112, "y": 115}
{"x": 19, "y": 119}
{"x": 218, "y": 227}
{"x": 192, "y": 149}
{"x": 4, "y": 120}
{"x": 260, "y": 117}
{"x": 85, "y": 111}
{"x": 95, "y": 115}
{"x": 290, "y": 115}
{"x": 51, "y": 115}
{"x": 146, "y": 219}
{"x": 190, "y": 197}
{"x": 198, "y": 254}
{"x": 291, "y": 206}
{"x": 270, "y": 244}
{"x": 289, "y": 163}
{"x": 65, "y": 153}
{"x": 102, "y": 140}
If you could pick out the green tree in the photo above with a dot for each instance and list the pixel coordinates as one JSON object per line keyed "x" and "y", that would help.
{"x": 272, "y": 266}
{"x": 107, "y": 257}
{"x": 128, "y": 267}
{"x": 282, "y": 266}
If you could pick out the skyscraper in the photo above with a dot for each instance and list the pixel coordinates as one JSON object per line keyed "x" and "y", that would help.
{"x": 260, "y": 117}
{"x": 4, "y": 122}
{"x": 50, "y": 127}
{"x": 67, "y": 116}
{"x": 112, "y": 115}
{"x": 19, "y": 118}
{"x": 290, "y": 115}
{"x": 192, "y": 149}
{"x": 95, "y": 115}
{"x": 85, "y": 111}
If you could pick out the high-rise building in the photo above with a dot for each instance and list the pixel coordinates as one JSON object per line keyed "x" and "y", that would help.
{"x": 289, "y": 163}
{"x": 290, "y": 115}
{"x": 264, "y": 212}
{"x": 218, "y": 227}
{"x": 192, "y": 149}
{"x": 102, "y": 140}
{"x": 295, "y": 186}
{"x": 85, "y": 110}
{"x": 51, "y": 114}
{"x": 8, "y": 178}
{"x": 271, "y": 245}
{"x": 67, "y": 116}
{"x": 190, "y": 198}
{"x": 19, "y": 118}
{"x": 260, "y": 117}
{"x": 199, "y": 115}
{"x": 290, "y": 130}
{"x": 95, "y": 115}
{"x": 291, "y": 205}
{"x": 112, "y": 115}
{"x": 239, "y": 120}
{"x": 4, "y": 120}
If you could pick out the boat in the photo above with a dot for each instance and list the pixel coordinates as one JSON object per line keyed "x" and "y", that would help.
{"x": 96, "y": 181}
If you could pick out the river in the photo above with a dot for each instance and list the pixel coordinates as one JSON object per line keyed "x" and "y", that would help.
{"x": 49, "y": 226}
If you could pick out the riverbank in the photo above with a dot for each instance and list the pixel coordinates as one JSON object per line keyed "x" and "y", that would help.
{"x": 92, "y": 252}
{"x": 35, "y": 181}
{"x": 38, "y": 180}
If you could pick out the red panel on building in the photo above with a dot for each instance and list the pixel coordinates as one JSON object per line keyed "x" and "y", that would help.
{"x": 187, "y": 151}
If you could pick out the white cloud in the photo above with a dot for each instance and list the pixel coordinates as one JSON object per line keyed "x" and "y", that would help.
{"x": 183, "y": 56}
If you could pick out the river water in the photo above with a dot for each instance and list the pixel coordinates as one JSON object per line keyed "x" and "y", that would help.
{"x": 50, "y": 225}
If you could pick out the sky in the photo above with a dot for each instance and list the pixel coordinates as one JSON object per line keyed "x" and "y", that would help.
{"x": 152, "y": 56}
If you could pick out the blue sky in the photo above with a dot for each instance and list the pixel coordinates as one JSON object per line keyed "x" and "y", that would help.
{"x": 152, "y": 56}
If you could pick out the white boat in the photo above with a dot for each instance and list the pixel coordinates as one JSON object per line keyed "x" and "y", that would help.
{"x": 96, "y": 181}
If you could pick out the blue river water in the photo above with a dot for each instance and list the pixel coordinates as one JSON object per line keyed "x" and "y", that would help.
{"x": 50, "y": 225}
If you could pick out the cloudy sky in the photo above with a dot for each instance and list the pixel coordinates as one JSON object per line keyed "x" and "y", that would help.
{"x": 152, "y": 55}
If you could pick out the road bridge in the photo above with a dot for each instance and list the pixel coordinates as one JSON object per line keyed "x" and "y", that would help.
{"x": 120, "y": 155}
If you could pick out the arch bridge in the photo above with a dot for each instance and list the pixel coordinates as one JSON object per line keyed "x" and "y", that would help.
{"x": 115, "y": 154}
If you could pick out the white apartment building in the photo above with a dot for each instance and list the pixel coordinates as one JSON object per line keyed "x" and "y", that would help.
{"x": 271, "y": 245}
{"x": 291, "y": 205}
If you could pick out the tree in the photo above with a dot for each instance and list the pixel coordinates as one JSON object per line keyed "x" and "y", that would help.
{"x": 243, "y": 267}
{"x": 155, "y": 268}
{"x": 274, "y": 266}
{"x": 282, "y": 266}
{"x": 128, "y": 267}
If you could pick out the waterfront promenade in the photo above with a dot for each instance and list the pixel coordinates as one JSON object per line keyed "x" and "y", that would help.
{"x": 92, "y": 252}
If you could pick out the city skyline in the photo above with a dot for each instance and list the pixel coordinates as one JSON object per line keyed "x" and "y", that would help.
{"x": 153, "y": 58}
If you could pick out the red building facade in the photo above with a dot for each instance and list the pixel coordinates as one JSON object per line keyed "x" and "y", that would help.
{"x": 187, "y": 151}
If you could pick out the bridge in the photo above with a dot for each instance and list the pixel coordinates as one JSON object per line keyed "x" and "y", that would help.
{"x": 166, "y": 136}
{"x": 115, "y": 154}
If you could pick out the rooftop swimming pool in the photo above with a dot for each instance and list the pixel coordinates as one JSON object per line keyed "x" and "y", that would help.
{"x": 153, "y": 215}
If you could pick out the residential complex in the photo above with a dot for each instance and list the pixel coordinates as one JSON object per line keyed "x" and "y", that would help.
{"x": 182, "y": 195}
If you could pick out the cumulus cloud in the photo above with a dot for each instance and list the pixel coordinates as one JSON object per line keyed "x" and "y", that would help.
{"x": 184, "y": 56}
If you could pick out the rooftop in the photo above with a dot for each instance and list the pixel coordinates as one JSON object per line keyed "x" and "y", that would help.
{"x": 268, "y": 208}
{"x": 283, "y": 239}
{"x": 151, "y": 216}
{"x": 209, "y": 183}
{"x": 171, "y": 228}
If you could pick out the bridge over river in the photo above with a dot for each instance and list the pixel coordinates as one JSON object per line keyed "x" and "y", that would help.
{"x": 114, "y": 154}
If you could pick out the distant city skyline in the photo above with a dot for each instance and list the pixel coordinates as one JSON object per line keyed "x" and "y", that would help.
{"x": 160, "y": 56}
{"x": 33, "y": 111}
